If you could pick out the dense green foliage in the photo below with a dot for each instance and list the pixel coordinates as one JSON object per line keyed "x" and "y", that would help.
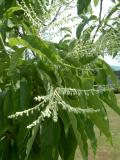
{"x": 52, "y": 95}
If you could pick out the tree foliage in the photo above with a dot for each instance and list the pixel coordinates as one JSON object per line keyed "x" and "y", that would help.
{"x": 52, "y": 95}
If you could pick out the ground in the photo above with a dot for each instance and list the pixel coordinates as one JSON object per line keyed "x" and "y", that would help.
{"x": 105, "y": 150}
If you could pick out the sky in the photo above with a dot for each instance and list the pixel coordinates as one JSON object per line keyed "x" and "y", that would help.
{"x": 111, "y": 61}
{"x": 106, "y": 5}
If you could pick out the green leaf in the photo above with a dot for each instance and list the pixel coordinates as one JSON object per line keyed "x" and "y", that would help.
{"x": 82, "y": 6}
{"x": 50, "y": 134}
{"x": 87, "y": 33}
{"x": 47, "y": 49}
{"x": 86, "y": 83}
{"x": 24, "y": 93}
{"x": 113, "y": 10}
{"x": 65, "y": 120}
{"x": 89, "y": 128}
{"x": 10, "y": 11}
{"x": 100, "y": 119}
{"x": 48, "y": 69}
{"x": 81, "y": 26}
{"x": 31, "y": 141}
{"x": 81, "y": 129}
{"x": 68, "y": 144}
{"x": 78, "y": 136}
{"x": 36, "y": 44}
{"x": 2, "y": 98}
{"x": 80, "y": 29}
{"x": 113, "y": 1}
{"x": 16, "y": 59}
{"x": 96, "y": 2}
{"x": 110, "y": 75}
{"x": 110, "y": 99}
{"x": 87, "y": 59}
{"x": 8, "y": 104}
{"x": 1, "y": 1}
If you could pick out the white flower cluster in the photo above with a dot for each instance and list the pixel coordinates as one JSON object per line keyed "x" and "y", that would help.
{"x": 95, "y": 90}
{"x": 49, "y": 106}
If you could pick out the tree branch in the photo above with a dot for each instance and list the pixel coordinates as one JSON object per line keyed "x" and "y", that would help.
{"x": 100, "y": 16}
{"x": 55, "y": 17}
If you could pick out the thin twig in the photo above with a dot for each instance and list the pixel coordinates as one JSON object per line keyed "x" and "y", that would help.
{"x": 113, "y": 10}
{"x": 66, "y": 7}
{"x": 100, "y": 16}
{"x": 55, "y": 17}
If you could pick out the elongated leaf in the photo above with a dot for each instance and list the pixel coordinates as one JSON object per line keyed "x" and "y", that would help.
{"x": 50, "y": 134}
{"x": 96, "y": 2}
{"x": 91, "y": 135}
{"x": 36, "y": 44}
{"x": 68, "y": 144}
{"x": 83, "y": 24}
{"x": 11, "y": 10}
{"x": 110, "y": 99}
{"x": 81, "y": 129}
{"x": 24, "y": 93}
{"x": 82, "y": 6}
{"x": 113, "y": 10}
{"x": 2, "y": 96}
{"x": 31, "y": 141}
{"x": 109, "y": 72}
{"x": 16, "y": 60}
{"x": 100, "y": 119}
{"x": 65, "y": 120}
{"x": 78, "y": 136}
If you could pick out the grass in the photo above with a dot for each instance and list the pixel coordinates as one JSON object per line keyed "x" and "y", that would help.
{"x": 105, "y": 150}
